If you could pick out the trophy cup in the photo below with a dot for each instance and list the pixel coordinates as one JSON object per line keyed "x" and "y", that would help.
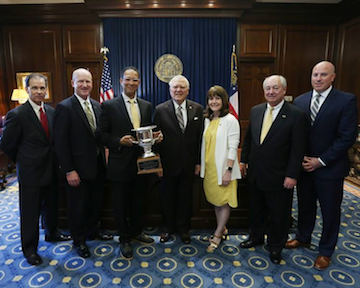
{"x": 149, "y": 162}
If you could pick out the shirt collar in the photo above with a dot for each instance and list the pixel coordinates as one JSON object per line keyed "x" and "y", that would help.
{"x": 82, "y": 100}
{"x": 35, "y": 106}
{"x": 325, "y": 93}
{"x": 278, "y": 106}
{"x": 183, "y": 105}
{"x": 127, "y": 98}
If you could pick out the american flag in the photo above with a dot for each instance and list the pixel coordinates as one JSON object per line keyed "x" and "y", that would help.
{"x": 234, "y": 96}
{"x": 106, "y": 90}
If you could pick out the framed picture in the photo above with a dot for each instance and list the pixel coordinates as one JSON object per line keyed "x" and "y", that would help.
{"x": 21, "y": 77}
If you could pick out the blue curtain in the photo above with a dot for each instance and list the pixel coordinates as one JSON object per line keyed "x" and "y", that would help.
{"x": 204, "y": 46}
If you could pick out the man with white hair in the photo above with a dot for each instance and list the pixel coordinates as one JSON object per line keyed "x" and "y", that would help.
{"x": 271, "y": 158}
{"x": 181, "y": 122}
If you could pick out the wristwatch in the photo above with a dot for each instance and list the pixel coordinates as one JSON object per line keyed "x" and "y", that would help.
{"x": 229, "y": 168}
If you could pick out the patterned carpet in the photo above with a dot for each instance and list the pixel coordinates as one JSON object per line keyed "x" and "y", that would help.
{"x": 174, "y": 264}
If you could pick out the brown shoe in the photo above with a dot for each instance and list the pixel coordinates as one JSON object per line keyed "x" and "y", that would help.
{"x": 292, "y": 244}
{"x": 322, "y": 262}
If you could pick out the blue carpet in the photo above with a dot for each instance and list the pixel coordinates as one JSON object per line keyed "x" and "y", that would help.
{"x": 174, "y": 264}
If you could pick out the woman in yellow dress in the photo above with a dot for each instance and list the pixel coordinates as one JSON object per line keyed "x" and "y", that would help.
{"x": 219, "y": 163}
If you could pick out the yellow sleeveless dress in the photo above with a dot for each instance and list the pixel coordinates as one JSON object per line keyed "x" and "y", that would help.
{"x": 216, "y": 194}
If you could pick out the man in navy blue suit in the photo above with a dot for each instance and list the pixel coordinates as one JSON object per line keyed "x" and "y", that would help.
{"x": 333, "y": 116}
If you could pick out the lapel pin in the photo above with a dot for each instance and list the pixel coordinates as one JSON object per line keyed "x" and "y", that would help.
{"x": 283, "y": 116}
{"x": 196, "y": 118}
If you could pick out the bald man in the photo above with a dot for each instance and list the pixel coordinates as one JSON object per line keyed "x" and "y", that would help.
{"x": 333, "y": 116}
{"x": 81, "y": 160}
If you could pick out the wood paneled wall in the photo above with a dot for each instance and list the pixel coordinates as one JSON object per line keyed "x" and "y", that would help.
{"x": 348, "y": 68}
{"x": 54, "y": 48}
{"x": 289, "y": 50}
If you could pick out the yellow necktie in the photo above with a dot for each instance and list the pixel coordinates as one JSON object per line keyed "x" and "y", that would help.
{"x": 266, "y": 125}
{"x": 134, "y": 114}
{"x": 90, "y": 117}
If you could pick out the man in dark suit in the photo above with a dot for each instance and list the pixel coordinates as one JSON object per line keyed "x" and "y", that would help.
{"x": 273, "y": 149}
{"x": 27, "y": 140}
{"x": 181, "y": 122}
{"x": 81, "y": 160}
{"x": 333, "y": 115}
{"x": 119, "y": 116}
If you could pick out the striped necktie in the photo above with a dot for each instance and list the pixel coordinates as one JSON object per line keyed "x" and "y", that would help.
{"x": 90, "y": 117}
{"x": 134, "y": 114}
{"x": 314, "y": 109}
{"x": 180, "y": 118}
{"x": 266, "y": 125}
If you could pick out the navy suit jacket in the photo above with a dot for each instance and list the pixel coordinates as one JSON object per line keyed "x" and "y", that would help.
{"x": 75, "y": 143}
{"x": 24, "y": 140}
{"x": 333, "y": 132}
{"x": 179, "y": 150}
{"x": 113, "y": 125}
{"x": 282, "y": 151}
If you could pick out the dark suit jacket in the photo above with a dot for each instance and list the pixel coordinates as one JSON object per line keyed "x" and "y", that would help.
{"x": 75, "y": 143}
{"x": 113, "y": 125}
{"x": 281, "y": 153}
{"x": 25, "y": 142}
{"x": 179, "y": 150}
{"x": 333, "y": 132}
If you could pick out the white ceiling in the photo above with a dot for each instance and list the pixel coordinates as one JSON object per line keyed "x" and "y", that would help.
{"x": 3, "y": 2}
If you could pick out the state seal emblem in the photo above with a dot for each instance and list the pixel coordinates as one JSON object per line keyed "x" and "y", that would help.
{"x": 168, "y": 66}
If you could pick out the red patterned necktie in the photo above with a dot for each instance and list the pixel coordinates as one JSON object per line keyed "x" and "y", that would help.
{"x": 44, "y": 122}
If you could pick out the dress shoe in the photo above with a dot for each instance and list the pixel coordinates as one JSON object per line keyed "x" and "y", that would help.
{"x": 322, "y": 262}
{"x": 143, "y": 238}
{"x": 185, "y": 238}
{"x": 82, "y": 250}
{"x": 275, "y": 257}
{"x": 250, "y": 243}
{"x": 126, "y": 250}
{"x": 165, "y": 237}
{"x": 34, "y": 259}
{"x": 57, "y": 237}
{"x": 292, "y": 244}
{"x": 100, "y": 236}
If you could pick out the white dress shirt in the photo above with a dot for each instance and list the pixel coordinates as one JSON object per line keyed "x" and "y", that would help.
{"x": 128, "y": 106}
{"x": 183, "y": 110}
{"x": 82, "y": 103}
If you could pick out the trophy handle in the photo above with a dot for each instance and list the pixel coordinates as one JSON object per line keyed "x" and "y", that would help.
{"x": 155, "y": 139}
{"x": 134, "y": 142}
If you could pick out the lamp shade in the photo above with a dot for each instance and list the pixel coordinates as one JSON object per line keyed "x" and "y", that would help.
{"x": 19, "y": 95}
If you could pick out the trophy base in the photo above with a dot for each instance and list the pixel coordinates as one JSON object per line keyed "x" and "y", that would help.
{"x": 149, "y": 165}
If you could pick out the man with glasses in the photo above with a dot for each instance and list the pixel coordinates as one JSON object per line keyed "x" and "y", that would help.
{"x": 119, "y": 116}
{"x": 27, "y": 140}
{"x": 181, "y": 122}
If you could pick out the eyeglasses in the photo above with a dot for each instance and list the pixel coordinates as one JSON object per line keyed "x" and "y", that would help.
{"x": 135, "y": 80}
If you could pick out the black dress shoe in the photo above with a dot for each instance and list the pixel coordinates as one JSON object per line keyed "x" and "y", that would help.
{"x": 250, "y": 243}
{"x": 143, "y": 238}
{"x": 165, "y": 237}
{"x": 82, "y": 250}
{"x": 275, "y": 257}
{"x": 100, "y": 236}
{"x": 185, "y": 238}
{"x": 126, "y": 250}
{"x": 34, "y": 259}
{"x": 57, "y": 238}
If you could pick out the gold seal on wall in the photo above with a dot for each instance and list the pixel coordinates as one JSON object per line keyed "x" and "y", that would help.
{"x": 168, "y": 66}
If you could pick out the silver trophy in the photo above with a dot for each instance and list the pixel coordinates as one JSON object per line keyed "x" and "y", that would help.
{"x": 149, "y": 162}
